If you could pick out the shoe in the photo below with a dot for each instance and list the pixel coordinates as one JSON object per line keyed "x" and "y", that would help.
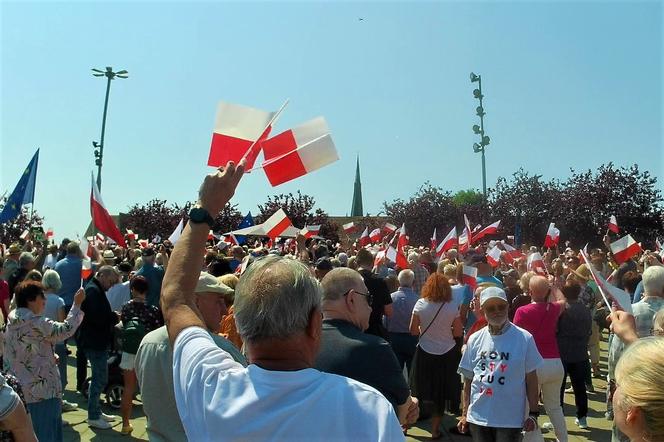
{"x": 69, "y": 406}
{"x": 590, "y": 388}
{"x": 569, "y": 390}
{"x": 100, "y": 424}
{"x": 546, "y": 426}
{"x": 108, "y": 417}
{"x": 127, "y": 429}
{"x": 609, "y": 415}
{"x": 581, "y": 422}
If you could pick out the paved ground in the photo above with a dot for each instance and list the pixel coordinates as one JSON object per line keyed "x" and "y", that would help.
{"x": 599, "y": 431}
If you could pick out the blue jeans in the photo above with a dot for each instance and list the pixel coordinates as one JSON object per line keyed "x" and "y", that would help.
{"x": 47, "y": 419}
{"x": 99, "y": 363}
{"x": 61, "y": 351}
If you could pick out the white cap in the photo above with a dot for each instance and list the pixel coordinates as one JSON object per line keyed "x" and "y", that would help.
{"x": 492, "y": 293}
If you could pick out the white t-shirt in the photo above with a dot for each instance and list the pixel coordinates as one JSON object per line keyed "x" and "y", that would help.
{"x": 219, "y": 399}
{"x": 499, "y": 364}
{"x": 438, "y": 338}
{"x": 118, "y": 295}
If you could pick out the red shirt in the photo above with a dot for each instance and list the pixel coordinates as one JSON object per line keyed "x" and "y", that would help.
{"x": 541, "y": 320}
{"x": 4, "y": 295}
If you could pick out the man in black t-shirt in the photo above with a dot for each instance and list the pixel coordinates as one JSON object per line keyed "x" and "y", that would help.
{"x": 380, "y": 294}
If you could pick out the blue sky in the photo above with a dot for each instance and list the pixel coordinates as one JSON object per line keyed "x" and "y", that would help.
{"x": 566, "y": 84}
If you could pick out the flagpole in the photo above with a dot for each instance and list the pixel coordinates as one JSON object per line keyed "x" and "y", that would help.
{"x": 272, "y": 121}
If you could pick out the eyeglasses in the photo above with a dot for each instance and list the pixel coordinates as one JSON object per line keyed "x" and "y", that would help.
{"x": 496, "y": 308}
{"x": 366, "y": 295}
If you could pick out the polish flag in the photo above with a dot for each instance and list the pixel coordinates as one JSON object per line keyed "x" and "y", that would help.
{"x": 552, "y": 236}
{"x": 447, "y": 243}
{"x": 99, "y": 238}
{"x": 364, "y": 238}
{"x": 624, "y": 248}
{"x": 299, "y": 151}
{"x": 143, "y": 243}
{"x": 375, "y": 235}
{"x": 403, "y": 238}
{"x": 230, "y": 239}
{"x": 276, "y": 224}
{"x": 101, "y": 218}
{"x": 211, "y": 236}
{"x": 310, "y": 231}
{"x": 236, "y": 129}
{"x": 488, "y": 230}
{"x": 433, "y": 240}
{"x": 469, "y": 276}
{"x": 470, "y": 232}
{"x": 389, "y": 228}
{"x": 613, "y": 224}
{"x": 620, "y": 297}
{"x": 131, "y": 234}
{"x": 511, "y": 253}
{"x": 535, "y": 264}
{"x": 476, "y": 228}
{"x": 464, "y": 243}
{"x": 493, "y": 256}
{"x": 86, "y": 269}
{"x": 349, "y": 227}
{"x": 379, "y": 258}
{"x": 175, "y": 236}
{"x": 402, "y": 242}
{"x": 49, "y": 234}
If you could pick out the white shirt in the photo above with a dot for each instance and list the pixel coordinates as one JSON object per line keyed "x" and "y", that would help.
{"x": 118, "y": 295}
{"x": 499, "y": 364}
{"x": 437, "y": 339}
{"x": 219, "y": 399}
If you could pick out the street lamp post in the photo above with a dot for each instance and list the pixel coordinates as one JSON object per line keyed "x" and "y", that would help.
{"x": 99, "y": 147}
{"x": 479, "y": 129}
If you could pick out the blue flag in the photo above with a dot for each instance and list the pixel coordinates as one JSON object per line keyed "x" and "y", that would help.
{"x": 248, "y": 221}
{"x": 24, "y": 193}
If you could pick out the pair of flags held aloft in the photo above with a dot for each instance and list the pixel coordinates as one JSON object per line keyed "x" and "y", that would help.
{"x": 242, "y": 132}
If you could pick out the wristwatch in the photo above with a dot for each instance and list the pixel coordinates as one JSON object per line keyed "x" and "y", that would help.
{"x": 199, "y": 215}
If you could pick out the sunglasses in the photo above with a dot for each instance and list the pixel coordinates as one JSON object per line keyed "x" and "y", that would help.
{"x": 496, "y": 308}
{"x": 366, "y": 295}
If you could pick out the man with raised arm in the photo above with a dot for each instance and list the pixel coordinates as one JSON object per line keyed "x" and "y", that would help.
{"x": 279, "y": 396}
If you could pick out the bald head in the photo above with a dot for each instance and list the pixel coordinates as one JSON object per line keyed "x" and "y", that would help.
{"x": 539, "y": 288}
{"x": 338, "y": 281}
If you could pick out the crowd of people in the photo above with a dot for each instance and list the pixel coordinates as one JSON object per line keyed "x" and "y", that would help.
{"x": 315, "y": 340}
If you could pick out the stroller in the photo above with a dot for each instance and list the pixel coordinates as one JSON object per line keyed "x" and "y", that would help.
{"x": 115, "y": 386}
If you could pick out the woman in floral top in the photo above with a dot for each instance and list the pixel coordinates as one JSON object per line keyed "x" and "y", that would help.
{"x": 29, "y": 356}
{"x": 151, "y": 318}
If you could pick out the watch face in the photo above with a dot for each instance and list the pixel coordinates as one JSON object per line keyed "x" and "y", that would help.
{"x": 197, "y": 215}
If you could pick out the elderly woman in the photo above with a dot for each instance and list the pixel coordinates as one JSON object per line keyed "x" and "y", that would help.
{"x": 55, "y": 311}
{"x": 29, "y": 356}
{"x": 435, "y": 320}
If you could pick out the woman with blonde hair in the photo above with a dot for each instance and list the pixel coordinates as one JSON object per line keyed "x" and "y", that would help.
{"x": 638, "y": 402}
{"x": 435, "y": 319}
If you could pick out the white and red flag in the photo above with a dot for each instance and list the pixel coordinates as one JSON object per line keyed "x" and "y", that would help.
{"x": 298, "y": 151}
{"x": 364, "y": 238}
{"x": 464, "y": 243}
{"x": 488, "y": 230}
{"x": 535, "y": 264}
{"x": 175, "y": 236}
{"x": 620, "y": 297}
{"x": 349, "y": 227}
{"x": 211, "y": 236}
{"x": 624, "y": 248}
{"x": 131, "y": 234}
{"x": 236, "y": 129}
{"x": 469, "y": 276}
{"x": 229, "y": 238}
{"x": 552, "y": 236}
{"x": 613, "y": 225}
{"x": 86, "y": 269}
{"x": 375, "y": 235}
{"x": 493, "y": 256}
{"x": 389, "y": 228}
{"x": 447, "y": 243}
{"x": 309, "y": 231}
{"x": 276, "y": 224}
{"x": 434, "y": 244}
{"x": 101, "y": 219}
{"x": 143, "y": 243}
{"x": 49, "y": 234}
{"x": 511, "y": 253}
{"x": 402, "y": 242}
{"x": 403, "y": 238}
{"x": 25, "y": 234}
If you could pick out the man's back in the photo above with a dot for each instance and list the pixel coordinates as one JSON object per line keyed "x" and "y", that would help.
{"x": 69, "y": 270}
{"x": 155, "y": 276}
{"x": 218, "y": 399}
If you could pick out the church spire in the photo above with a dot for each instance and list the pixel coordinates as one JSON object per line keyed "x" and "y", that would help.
{"x": 356, "y": 209}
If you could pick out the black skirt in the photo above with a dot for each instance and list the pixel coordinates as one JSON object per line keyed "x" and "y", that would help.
{"x": 434, "y": 378}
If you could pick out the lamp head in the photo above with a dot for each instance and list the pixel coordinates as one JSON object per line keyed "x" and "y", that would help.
{"x": 477, "y": 129}
{"x": 474, "y": 78}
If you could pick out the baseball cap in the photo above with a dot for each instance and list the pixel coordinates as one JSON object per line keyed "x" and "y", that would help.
{"x": 492, "y": 293}
{"x": 209, "y": 284}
